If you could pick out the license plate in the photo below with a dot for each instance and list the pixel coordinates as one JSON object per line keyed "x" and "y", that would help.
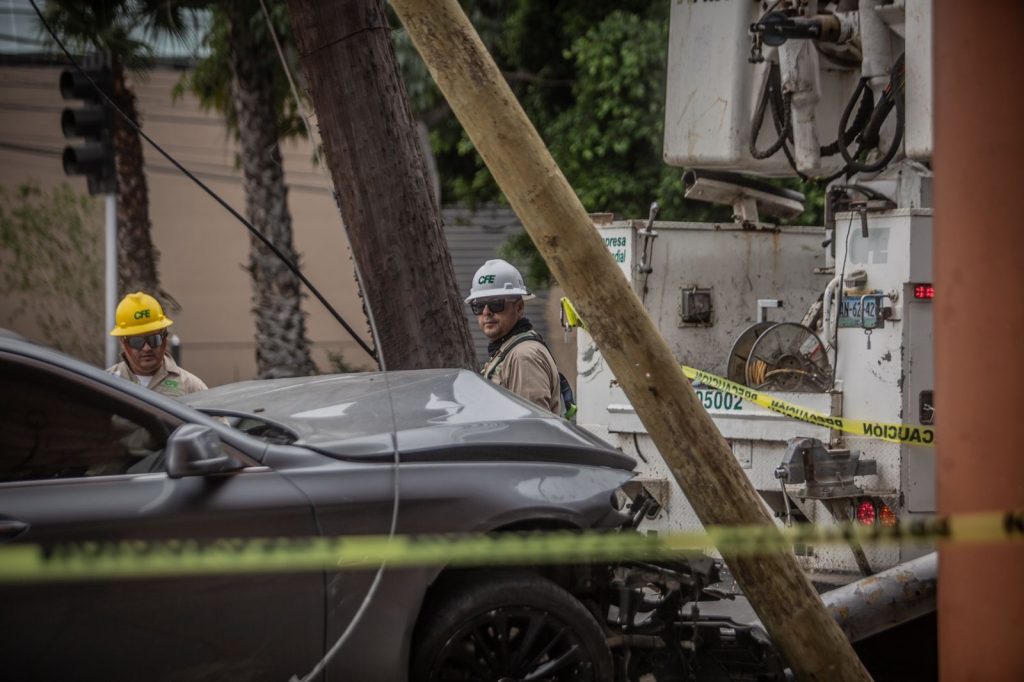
{"x": 860, "y": 311}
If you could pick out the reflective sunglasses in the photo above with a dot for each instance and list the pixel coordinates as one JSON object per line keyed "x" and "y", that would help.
{"x": 153, "y": 340}
{"x": 495, "y": 304}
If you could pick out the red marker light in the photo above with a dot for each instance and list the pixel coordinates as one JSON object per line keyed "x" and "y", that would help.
{"x": 924, "y": 292}
{"x": 866, "y": 513}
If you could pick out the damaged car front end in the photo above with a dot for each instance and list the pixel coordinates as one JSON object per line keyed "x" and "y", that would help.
{"x": 475, "y": 460}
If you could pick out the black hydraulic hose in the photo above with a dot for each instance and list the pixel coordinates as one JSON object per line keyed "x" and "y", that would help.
{"x": 862, "y": 85}
{"x": 866, "y": 124}
{"x": 771, "y": 92}
{"x": 846, "y": 135}
{"x": 866, "y": 98}
{"x": 893, "y": 148}
{"x": 893, "y": 96}
{"x": 783, "y": 121}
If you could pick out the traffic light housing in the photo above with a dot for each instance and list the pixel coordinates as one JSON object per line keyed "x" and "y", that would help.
{"x": 95, "y": 157}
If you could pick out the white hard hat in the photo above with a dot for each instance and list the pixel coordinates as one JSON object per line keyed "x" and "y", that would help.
{"x": 498, "y": 278}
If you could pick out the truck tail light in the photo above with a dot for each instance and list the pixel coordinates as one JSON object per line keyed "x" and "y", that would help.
{"x": 866, "y": 513}
{"x": 924, "y": 292}
{"x": 886, "y": 516}
{"x": 871, "y": 512}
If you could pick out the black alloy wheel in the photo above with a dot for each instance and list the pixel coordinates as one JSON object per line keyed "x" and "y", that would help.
{"x": 511, "y": 627}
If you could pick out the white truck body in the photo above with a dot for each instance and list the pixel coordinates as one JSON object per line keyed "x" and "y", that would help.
{"x": 705, "y": 284}
{"x": 740, "y": 266}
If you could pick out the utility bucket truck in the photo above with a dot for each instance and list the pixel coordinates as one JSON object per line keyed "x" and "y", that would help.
{"x": 823, "y": 333}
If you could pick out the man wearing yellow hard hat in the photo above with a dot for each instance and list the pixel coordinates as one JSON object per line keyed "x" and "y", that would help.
{"x": 142, "y": 328}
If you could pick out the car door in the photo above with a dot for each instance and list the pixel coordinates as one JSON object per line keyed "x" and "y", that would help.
{"x": 70, "y": 450}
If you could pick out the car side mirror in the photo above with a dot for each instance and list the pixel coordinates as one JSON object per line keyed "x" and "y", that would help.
{"x": 195, "y": 450}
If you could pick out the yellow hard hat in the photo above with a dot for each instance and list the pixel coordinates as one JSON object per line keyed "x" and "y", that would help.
{"x": 139, "y": 313}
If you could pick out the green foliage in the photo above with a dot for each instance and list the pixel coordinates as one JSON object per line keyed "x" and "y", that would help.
{"x": 531, "y": 41}
{"x": 109, "y": 25}
{"x": 814, "y": 204}
{"x": 609, "y": 142}
{"x": 51, "y": 268}
{"x": 210, "y": 79}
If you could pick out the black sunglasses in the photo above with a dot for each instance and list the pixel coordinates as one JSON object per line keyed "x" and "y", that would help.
{"x": 153, "y": 340}
{"x": 495, "y": 304}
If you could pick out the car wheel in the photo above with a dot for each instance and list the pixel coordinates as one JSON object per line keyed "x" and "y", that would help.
{"x": 510, "y": 627}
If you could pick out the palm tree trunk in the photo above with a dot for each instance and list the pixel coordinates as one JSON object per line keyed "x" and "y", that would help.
{"x": 137, "y": 257}
{"x": 281, "y": 345}
{"x": 386, "y": 200}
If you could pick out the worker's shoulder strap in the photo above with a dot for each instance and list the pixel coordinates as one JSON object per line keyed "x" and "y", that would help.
{"x": 492, "y": 365}
{"x": 564, "y": 389}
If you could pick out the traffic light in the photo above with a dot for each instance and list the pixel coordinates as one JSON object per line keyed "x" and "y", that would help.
{"x": 94, "y": 122}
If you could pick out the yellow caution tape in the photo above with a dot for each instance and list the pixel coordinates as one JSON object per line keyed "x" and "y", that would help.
{"x": 570, "y": 318}
{"x": 163, "y": 558}
{"x": 894, "y": 433}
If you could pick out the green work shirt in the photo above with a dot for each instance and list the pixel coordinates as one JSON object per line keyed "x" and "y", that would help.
{"x": 169, "y": 380}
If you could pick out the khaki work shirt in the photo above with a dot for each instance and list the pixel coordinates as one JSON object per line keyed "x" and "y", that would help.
{"x": 529, "y": 371}
{"x": 169, "y": 380}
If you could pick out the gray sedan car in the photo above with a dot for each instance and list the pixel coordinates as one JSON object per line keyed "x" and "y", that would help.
{"x": 86, "y": 456}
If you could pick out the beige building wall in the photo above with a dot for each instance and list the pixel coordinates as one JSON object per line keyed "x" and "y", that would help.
{"x": 203, "y": 249}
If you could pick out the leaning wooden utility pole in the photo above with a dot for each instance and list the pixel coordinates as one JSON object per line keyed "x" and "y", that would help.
{"x": 699, "y": 457}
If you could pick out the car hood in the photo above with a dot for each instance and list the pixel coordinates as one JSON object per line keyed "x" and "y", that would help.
{"x": 449, "y": 414}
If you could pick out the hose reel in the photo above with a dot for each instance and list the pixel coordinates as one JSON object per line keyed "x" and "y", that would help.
{"x": 783, "y": 356}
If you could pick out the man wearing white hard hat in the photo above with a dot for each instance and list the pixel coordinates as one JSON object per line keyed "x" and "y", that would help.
{"x": 519, "y": 359}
